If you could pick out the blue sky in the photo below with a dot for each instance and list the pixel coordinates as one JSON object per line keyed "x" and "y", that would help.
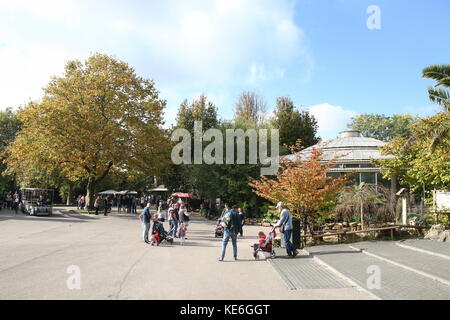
{"x": 318, "y": 52}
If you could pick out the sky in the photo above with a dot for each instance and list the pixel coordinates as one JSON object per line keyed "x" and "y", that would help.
{"x": 323, "y": 54}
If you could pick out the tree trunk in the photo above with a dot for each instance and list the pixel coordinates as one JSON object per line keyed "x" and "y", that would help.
{"x": 90, "y": 189}
{"x": 362, "y": 214}
{"x": 393, "y": 200}
{"x": 69, "y": 194}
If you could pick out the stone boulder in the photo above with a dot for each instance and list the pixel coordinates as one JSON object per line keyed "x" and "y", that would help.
{"x": 438, "y": 233}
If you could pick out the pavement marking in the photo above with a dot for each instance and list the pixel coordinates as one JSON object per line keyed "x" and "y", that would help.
{"x": 425, "y": 274}
{"x": 305, "y": 273}
{"x": 440, "y": 255}
{"x": 349, "y": 280}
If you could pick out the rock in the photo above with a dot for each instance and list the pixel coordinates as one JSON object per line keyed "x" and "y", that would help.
{"x": 438, "y": 233}
{"x": 345, "y": 224}
{"x": 337, "y": 226}
{"x": 444, "y": 236}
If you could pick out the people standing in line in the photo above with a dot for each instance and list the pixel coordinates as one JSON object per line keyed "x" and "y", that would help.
{"x": 242, "y": 217}
{"x": 145, "y": 218}
{"x": 97, "y": 203}
{"x": 232, "y": 226}
{"x": 285, "y": 225}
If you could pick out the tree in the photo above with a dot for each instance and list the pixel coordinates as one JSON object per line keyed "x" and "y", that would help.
{"x": 250, "y": 106}
{"x": 440, "y": 92}
{"x": 382, "y": 127}
{"x": 360, "y": 198}
{"x": 97, "y": 118}
{"x": 302, "y": 185}
{"x": 200, "y": 109}
{"x": 294, "y": 124}
{"x": 9, "y": 127}
{"x": 416, "y": 165}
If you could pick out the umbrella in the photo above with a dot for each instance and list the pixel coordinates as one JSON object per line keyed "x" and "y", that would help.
{"x": 183, "y": 195}
{"x": 108, "y": 192}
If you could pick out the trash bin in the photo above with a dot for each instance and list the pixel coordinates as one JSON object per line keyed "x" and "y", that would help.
{"x": 296, "y": 233}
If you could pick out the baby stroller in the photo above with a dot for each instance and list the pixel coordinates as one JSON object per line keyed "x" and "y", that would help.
{"x": 159, "y": 235}
{"x": 268, "y": 245}
{"x": 157, "y": 238}
{"x": 219, "y": 229}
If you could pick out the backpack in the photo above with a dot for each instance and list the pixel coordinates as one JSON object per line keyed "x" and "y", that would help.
{"x": 227, "y": 220}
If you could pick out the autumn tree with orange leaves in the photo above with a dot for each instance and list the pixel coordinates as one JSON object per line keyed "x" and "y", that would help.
{"x": 302, "y": 185}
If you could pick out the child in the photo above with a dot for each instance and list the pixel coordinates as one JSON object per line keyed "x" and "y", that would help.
{"x": 257, "y": 246}
{"x": 182, "y": 234}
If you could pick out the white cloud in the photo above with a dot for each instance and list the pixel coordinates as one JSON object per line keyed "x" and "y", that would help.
{"x": 188, "y": 46}
{"x": 331, "y": 119}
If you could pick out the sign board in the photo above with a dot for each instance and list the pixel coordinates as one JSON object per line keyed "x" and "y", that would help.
{"x": 442, "y": 201}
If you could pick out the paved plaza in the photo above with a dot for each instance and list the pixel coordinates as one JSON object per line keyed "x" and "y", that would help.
{"x": 36, "y": 254}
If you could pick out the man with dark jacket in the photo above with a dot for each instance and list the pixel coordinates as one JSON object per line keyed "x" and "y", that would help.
{"x": 232, "y": 226}
{"x": 145, "y": 217}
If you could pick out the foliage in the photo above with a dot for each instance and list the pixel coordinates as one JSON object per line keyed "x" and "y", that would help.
{"x": 250, "y": 106}
{"x": 439, "y": 93}
{"x": 294, "y": 124}
{"x": 382, "y": 127}
{"x": 365, "y": 200}
{"x": 9, "y": 126}
{"x": 302, "y": 185}
{"x": 442, "y": 218}
{"x": 199, "y": 109}
{"x": 97, "y": 118}
{"x": 416, "y": 165}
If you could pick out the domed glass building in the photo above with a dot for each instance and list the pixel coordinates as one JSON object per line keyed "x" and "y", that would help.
{"x": 355, "y": 154}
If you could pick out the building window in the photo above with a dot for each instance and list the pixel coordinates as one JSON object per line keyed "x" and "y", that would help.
{"x": 368, "y": 177}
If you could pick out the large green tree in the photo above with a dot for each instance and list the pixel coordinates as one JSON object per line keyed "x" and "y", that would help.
{"x": 382, "y": 127}
{"x": 9, "y": 127}
{"x": 98, "y": 117}
{"x": 294, "y": 124}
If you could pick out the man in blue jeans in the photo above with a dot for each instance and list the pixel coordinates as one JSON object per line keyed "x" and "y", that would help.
{"x": 145, "y": 217}
{"x": 232, "y": 226}
{"x": 285, "y": 224}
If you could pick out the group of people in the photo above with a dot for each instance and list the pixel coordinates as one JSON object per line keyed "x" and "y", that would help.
{"x": 177, "y": 215}
{"x": 10, "y": 201}
{"x": 232, "y": 222}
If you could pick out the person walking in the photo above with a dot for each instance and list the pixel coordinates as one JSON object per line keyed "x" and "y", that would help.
{"x": 97, "y": 204}
{"x": 175, "y": 220}
{"x": 232, "y": 226}
{"x": 242, "y": 217}
{"x": 105, "y": 204}
{"x": 285, "y": 225}
{"x": 145, "y": 218}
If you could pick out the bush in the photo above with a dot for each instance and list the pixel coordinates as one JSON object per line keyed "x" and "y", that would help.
{"x": 441, "y": 217}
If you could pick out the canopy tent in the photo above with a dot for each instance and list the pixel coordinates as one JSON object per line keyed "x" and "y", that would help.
{"x": 108, "y": 192}
{"x": 183, "y": 195}
{"x": 124, "y": 192}
{"x": 160, "y": 188}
